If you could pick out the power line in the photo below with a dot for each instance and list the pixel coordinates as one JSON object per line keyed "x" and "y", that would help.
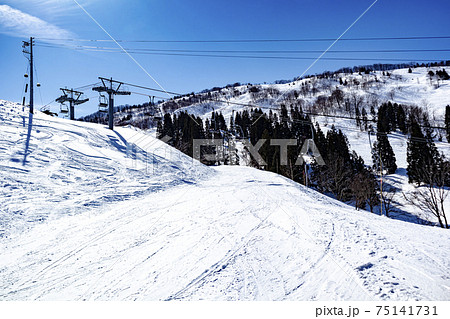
{"x": 256, "y": 56}
{"x": 120, "y": 46}
{"x": 270, "y": 108}
{"x": 88, "y": 86}
{"x": 242, "y": 51}
{"x": 259, "y": 106}
{"x": 336, "y": 116}
{"x": 337, "y": 39}
{"x": 242, "y": 104}
{"x": 151, "y": 89}
{"x": 149, "y": 95}
{"x": 266, "y": 108}
{"x": 342, "y": 117}
{"x": 253, "y": 40}
{"x": 254, "y": 105}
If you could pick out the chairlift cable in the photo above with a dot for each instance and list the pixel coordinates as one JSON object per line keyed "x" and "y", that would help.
{"x": 253, "y": 40}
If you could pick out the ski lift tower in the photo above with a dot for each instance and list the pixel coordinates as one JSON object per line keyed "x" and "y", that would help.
{"x": 73, "y": 97}
{"x": 111, "y": 92}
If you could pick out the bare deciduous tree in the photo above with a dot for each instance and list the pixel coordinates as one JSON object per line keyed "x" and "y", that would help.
{"x": 430, "y": 197}
{"x": 388, "y": 201}
{"x": 363, "y": 188}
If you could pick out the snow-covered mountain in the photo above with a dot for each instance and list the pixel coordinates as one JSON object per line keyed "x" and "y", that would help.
{"x": 338, "y": 95}
{"x": 92, "y": 214}
{"x": 398, "y": 86}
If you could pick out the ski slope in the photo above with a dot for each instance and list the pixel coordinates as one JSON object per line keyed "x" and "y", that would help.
{"x": 91, "y": 214}
{"x": 52, "y": 167}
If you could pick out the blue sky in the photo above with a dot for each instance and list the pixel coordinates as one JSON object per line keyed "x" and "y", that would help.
{"x": 203, "y": 20}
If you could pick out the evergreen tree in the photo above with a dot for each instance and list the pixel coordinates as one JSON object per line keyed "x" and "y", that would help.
{"x": 444, "y": 75}
{"x": 321, "y": 142}
{"x": 386, "y": 118}
{"x": 383, "y": 154}
{"x": 167, "y": 127}
{"x": 337, "y": 145}
{"x": 435, "y": 157}
{"x": 414, "y": 150}
{"x": 401, "y": 119}
{"x": 422, "y": 155}
{"x": 207, "y": 129}
{"x": 382, "y": 148}
{"x": 159, "y": 130}
{"x": 335, "y": 176}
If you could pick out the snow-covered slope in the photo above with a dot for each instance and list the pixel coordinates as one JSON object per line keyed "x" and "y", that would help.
{"x": 52, "y": 167}
{"x": 398, "y": 86}
{"x": 101, "y": 225}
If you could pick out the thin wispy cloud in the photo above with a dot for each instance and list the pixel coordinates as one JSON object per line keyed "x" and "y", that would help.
{"x": 47, "y": 8}
{"x": 16, "y": 23}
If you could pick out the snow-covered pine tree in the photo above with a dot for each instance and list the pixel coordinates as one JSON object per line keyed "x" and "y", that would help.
{"x": 383, "y": 149}
{"x": 382, "y": 153}
{"x": 386, "y": 118}
{"x": 422, "y": 155}
{"x": 401, "y": 118}
{"x": 416, "y": 147}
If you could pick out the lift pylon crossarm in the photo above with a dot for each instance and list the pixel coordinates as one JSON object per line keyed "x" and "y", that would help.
{"x": 61, "y": 99}
{"x": 70, "y": 95}
{"x": 100, "y": 89}
{"x": 73, "y": 97}
{"x": 122, "y": 93}
{"x": 110, "y": 91}
{"x": 78, "y": 102}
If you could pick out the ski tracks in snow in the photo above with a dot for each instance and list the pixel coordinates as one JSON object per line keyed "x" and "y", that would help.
{"x": 191, "y": 232}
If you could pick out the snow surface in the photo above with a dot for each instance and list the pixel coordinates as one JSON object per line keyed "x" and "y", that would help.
{"x": 90, "y": 214}
{"x": 56, "y": 167}
{"x": 412, "y": 89}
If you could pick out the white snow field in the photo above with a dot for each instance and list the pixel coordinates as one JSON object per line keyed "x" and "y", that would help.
{"x": 85, "y": 217}
{"x": 411, "y": 89}
{"x": 414, "y": 89}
